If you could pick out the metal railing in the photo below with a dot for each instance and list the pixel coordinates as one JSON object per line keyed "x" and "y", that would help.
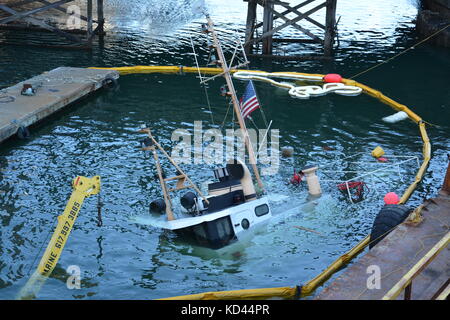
{"x": 405, "y": 283}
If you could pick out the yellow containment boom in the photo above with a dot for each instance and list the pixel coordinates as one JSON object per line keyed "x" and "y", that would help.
{"x": 245, "y": 294}
{"x": 82, "y": 187}
{"x": 367, "y": 90}
{"x": 313, "y": 284}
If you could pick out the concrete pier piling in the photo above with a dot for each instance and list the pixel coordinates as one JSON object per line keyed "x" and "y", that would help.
{"x": 35, "y": 99}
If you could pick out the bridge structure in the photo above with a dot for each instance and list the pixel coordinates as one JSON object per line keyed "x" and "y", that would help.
{"x": 79, "y": 26}
{"x": 296, "y": 15}
{"x": 310, "y": 22}
{"x": 33, "y": 15}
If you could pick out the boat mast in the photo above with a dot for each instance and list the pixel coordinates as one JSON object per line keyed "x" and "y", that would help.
{"x": 234, "y": 99}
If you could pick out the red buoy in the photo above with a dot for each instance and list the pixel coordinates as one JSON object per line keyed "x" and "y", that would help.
{"x": 391, "y": 198}
{"x": 332, "y": 77}
{"x": 296, "y": 178}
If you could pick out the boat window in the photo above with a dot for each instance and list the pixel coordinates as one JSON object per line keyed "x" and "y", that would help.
{"x": 262, "y": 210}
{"x": 223, "y": 228}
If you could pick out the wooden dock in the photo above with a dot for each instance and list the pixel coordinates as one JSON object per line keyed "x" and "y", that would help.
{"x": 417, "y": 248}
{"x": 54, "y": 90}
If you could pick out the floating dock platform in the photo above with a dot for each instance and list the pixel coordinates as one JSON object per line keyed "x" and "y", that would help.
{"x": 412, "y": 261}
{"x": 54, "y": 90}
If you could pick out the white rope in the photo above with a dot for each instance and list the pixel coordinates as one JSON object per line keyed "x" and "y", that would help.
{"x": 263, "y": 75}
{"x": 304, "y": 92}
{"x": 300, "y": 92}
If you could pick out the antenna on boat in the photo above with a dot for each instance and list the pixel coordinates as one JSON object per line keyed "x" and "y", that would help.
{"x": 232, "y": 92}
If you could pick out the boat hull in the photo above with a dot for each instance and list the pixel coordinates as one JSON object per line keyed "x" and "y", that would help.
{"x": 219, "y": 229}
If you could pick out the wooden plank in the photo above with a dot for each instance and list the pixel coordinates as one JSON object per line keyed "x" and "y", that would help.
{"x": 89, "y": 21}
{"x": 291, "y": 40}
{"x": 64, "y": 10}
{"x": 294, "y": 9}
{"x": 270, "y": 33}
{"x": 443, "y": 292}
{"x": 91, "y": 37}
{"x": 250, "y": 25}
{"x": 395, "y": 255}
{"x": 446, "y": 186}
{"x": 20, "y": 15}
{"x": 25, "y": 27}
{"x": 177, "y": 188}
{"x": 292, "y": 58}
{"x": 55, "y": 90}
{"x": 296, "y": 26}
{"x": 405, "y": 282}
{"x": 330, "y": 25}
{"x": 100, "y": 17}
{"x": 408, "y": 292}
{"x": 267, "y": 27}
{"x": 53, "y": 46}
{"x": 19, "y": 3}
{"x": 43, "y": 25}
{"x": 311, "y": 20}
{"x": 166, "y": 194}
{"x": 175, "y": 178}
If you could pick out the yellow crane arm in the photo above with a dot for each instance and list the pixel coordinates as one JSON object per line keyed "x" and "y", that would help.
{"x": 82, "y": 187}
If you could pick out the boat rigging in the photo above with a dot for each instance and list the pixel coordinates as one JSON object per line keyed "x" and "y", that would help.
{"x": 232, "y": 206}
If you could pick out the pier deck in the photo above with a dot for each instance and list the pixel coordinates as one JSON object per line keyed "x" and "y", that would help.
{"x": 54, "y": 90}
{"x": 396, "y": 254}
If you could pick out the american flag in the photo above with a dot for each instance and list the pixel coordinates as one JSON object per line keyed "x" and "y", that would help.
{"x": 249, "y": 102}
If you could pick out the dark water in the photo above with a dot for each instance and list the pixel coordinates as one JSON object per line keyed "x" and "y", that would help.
{"x": 129, "y": 259}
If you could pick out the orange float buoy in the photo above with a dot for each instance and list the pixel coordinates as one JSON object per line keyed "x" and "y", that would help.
{"x": 391, "y": 198}
{"x": 332, "y": 77}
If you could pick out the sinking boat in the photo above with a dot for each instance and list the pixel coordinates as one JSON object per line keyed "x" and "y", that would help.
{"x": 230, "y": 209}
{"x": 232, "y": 206}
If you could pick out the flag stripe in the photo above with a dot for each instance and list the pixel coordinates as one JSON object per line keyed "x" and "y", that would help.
{"x": 247, "y": 113}
{"x": 249, "y": 101}
{"x": 250, "y": 106}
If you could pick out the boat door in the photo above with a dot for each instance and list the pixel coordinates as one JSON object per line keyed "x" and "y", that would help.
{"x": 242, "y": 220}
